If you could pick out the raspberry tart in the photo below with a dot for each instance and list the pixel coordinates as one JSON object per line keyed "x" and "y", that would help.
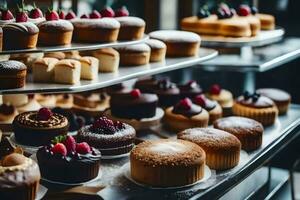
{"x": 36, "y": 128}
{"x": 110, "y": 137}
{"x": 65, "y": 160}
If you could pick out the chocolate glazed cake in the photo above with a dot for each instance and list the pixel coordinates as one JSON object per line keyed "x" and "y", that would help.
{"x": 168, "y": 93}
{"x": 110, "y": 137}
{"x": 39, "y": 128}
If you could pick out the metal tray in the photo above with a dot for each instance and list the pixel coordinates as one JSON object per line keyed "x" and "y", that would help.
{"x": 263, "y": 38}
{"x": 123, "y": 74}
{"x": 74, "y": 47}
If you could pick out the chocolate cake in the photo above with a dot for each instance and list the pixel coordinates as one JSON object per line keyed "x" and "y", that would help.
{"x": 167, "y": 92}
{"x": 191, "y": 89}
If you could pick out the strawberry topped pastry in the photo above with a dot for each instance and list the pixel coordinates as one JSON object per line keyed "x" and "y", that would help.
{"x": 68, "y": 161}
{"x": 36, "y": 15}
{"x": 55, "y": 31}
{"x": 36, "y": 128}
{"x": 96, "y": 27}
{"x": 110, "y": 137}
{"x": 6, "y": 17}
{"x": 20, "y": 34}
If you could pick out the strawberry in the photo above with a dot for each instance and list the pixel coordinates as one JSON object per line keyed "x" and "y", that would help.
{"x": 95, "y": 15}
{"x": 61, "y": 14}
{"x": 35, "y": 12}
{"x": 121, "y": 12}
{"x": 52, "y": 15}
{"x": 59, "y": 148}
{"x": 70, "y": 143}
{"x": 84, "y": 16}
{"x": 21, "y": 16}
{"x": 83, "y": 148}
{"x": 200, "y": 100}
{"x": 44, "y": 114}
{"x": 107, "y": 12}
{"x": 185, "y": 103}
{"x": 215, "y": 89}
{"x": 70, "y": 15}
{"x": 7, "y": 15}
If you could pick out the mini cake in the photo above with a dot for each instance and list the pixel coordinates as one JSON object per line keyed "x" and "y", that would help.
{"x": 7, "y": 113}
{"x": 118, "y": 88}
{"x": 110, "y": 137}
{"x": 64, "y": 101}
{"x": 146, "y": 84}
{"x": 158, "y": 50}
{"x": 57, "y": 55}
{"x": 109, "y": 59}
{"x": 191, "y": 89}
{"x": 249, "y": 14}
{"x": 19, "y": 177}
{"x": 96, "y": 30}
{"x": 67, "y": 161}
{"x": 6, "y": 17}
{"x": 133, "y": 105}
{"x": 43, "y": 69}
{"x": 27, "y": 58}
{"x": 134, "y": 55}
{"x": 223, "y": 97}
{"x": 132, "y": 28}
{"x": 36, "y": 15}
{"x": 22, "y": 102}
{"x": 167, "y": 92}
{"x": 267, "y": 21}
{"x": 222, "y": 148}
{"x": 185, "y": 115}
{"x": 248, "y": 131}
{"x": 167, "y": 163}
{"x": 257, "y": 107}
{"x": 179, "y": 43}
{"x": 281, "y": 98}
{"x": 37, "y": 128}
{"x": 72, "y": 55}
{"x": 67, "y": 71}
{"x": 12, "y": 74}
{"x": 89, "y": 68}
{"x": 212, "y": 107}
{"x": 20, "y": 34}
{"x": 46, "y": 100}
{"x": 55, "y": 31}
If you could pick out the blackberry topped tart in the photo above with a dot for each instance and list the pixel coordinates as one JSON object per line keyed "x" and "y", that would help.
{"x": 36, "y": 128}
{"x": 110, "y": 137}
{"x": 65, "y": 160}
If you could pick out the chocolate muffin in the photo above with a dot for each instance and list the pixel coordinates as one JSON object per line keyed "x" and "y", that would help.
{"x": 248, "y": 131}
{"x": 133, "y": 105}
{"x": 38, "y": 128}
{"x": 110, "y": 137}
{"x": 167, "y": 92}
{"x": 12, "y": 74}
{"x": 191, "y": 89}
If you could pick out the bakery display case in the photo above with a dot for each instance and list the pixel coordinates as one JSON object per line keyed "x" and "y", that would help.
{"x": 89, "y": 109}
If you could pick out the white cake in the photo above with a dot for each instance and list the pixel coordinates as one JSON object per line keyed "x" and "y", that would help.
{"x": 67, "y": 71}
{"x": 43, "y": 69}
{"x": 108, "y": 59}
{"x": 89, "y": 67}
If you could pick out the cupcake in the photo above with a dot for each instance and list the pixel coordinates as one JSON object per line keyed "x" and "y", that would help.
{"x": 281, "y": 98}
{"x": 212, "y": 107}
{"x": 110, "y": 137}
{"x": 248, "y": 131}
{"x": 222, "y": 148}
{"x": 191, "y": 89}
{"x": 185, "y": 115}
{"x": 257, "y": 107}
{"x": 64, "y": 157}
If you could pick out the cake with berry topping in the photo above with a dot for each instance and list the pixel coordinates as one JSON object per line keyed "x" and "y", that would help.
{"x": 6, "y": 17}
{"x": 257, "y": 107}
{"x": 20, "y": 34}
{"x": 185, "y": 114}
{"x": 36, "y": 128}
{"x": 55, "y": 31}
{"x": 191, "y": 89}
{"x": 168, "y": 93}
{"x": 110, "y": 137}
{"x": 133, "y": 105}
{"x": 65, "y": 160}
{"x": 36, "y": 15}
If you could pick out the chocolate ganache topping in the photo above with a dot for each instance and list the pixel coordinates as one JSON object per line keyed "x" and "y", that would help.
{"x": 255, "y": 100}
{"x": 186, "y": 108}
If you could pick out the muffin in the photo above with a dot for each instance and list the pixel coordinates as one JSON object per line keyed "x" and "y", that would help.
{"x": 36, "y": 128}
{"x": 64, "y": 157}
{"x": 248, "y": 131}
{"x": 12, "y": 74}
{"x": 108, "y": 59}
{"x": 132, "y": 28}
{"x": 222, "y": 148}
{"x": 134, "y": 55}
{"x": 110, "y": 137}
{"x": 281, "y": 98}
{"x": 185, "y": 115}
{"x": 190, "y": 89}
{"x": 179, "y": 43}
{"x": 167, "y": 163}
{"x": 158, "y": 50}
{"x": 257, "y": 107}
{"x": 212, "y": 107}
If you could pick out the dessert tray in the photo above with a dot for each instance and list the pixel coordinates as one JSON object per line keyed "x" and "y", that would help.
{"x": 263, "y": 38}
{"x": 74, "y": 47}
{"x": 123, "y": 74}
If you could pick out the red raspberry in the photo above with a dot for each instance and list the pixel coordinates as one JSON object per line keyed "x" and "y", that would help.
{"x": 200, "y": 100}
{"x": 84, "y": 16}
{"x": 122, "y": 12}
{"x": 44, "y": 114}
{"x": 6, "y": 15}
{"x": 83, "y": 148}
{"x": 244, "y": 10}
{"x": 95, "y": 15}
{"x": 215, "y": 89}
{"x": 61, "y": 14}
{"x": 52, "y": 15}
{"x": 103, "y": 122}
{"x": 59, "y": 148}
{"x": 185, "y": 103}
{"x": 136, "y": 93}
{"x": 107, "y": 12}
{"x": 35, "y": 13}
{"x": 70, "y": 15}
{"x": 70, "y": 144}
{"x": 21, "y": 17}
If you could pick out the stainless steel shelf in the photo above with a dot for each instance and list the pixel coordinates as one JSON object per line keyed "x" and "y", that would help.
{"x": 275, "y": 138}
{"x": 263, "y": 38}
{"x": 74, "y": 47}
{"x": 123, "y": 74}
{"x": 263, "y": 58}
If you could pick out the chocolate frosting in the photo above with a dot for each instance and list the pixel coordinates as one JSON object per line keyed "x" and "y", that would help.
{"x": 194, "y": 110}
{"x": 260, "y": 102}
